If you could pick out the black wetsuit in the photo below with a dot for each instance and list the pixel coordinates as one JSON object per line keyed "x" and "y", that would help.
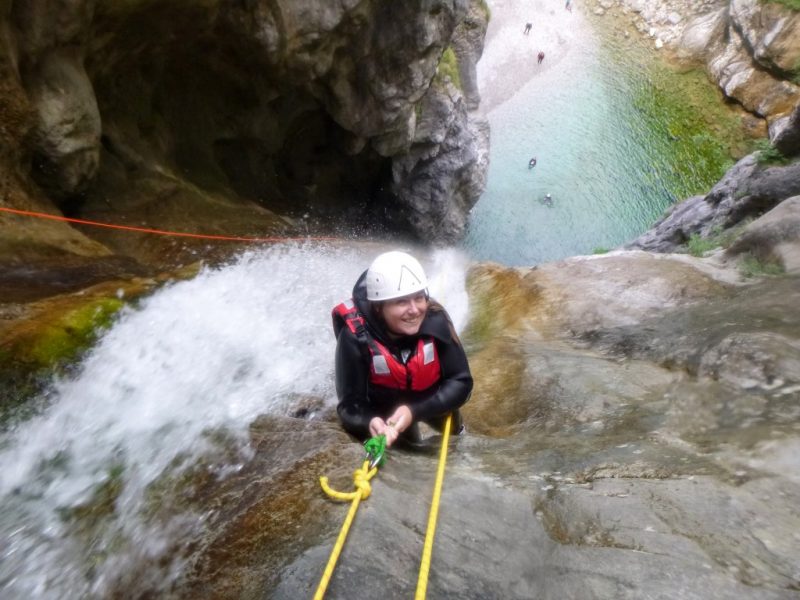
{"x": 360, "y": 400}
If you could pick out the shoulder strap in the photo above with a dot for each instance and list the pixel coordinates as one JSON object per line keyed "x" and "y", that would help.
{"x": 346, "y": 313}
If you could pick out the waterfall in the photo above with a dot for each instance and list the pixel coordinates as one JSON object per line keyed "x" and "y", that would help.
{"x": 196, "y": 358}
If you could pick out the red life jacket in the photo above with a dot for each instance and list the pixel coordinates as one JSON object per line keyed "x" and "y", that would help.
{"x": 420, "y": 372}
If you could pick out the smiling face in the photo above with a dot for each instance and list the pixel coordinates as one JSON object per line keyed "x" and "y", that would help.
{"x": 403, "y": 316}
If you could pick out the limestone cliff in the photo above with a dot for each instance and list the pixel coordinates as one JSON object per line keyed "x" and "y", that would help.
{"x": 752, "y": 51}
{"x": 748, "y": 190}
{"x": 243, "y": 117}
{"x": 750, "y": 48}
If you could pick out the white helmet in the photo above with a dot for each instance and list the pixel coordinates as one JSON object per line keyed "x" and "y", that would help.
{"x": 393, "y": 275}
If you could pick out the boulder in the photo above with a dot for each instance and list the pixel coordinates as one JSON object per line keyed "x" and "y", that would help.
{"x": 773, "y": 237}
{"x": 771, "y": 32}
{"x": 51, "y": 67}
{"x": 785, "y": 135}
{"x": 702, "y": 33}
{"x": 748, "y": 190}
{"x": 67, "y": 153}
{"x": 755, "y": 88}
{"x": 674, "y": 229}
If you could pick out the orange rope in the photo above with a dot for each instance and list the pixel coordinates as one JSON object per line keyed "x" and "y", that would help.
{"x": 28, "y": 213}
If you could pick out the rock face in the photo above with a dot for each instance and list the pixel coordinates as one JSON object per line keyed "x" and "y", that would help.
{"x": 773, "y": 238}
{"x": 787, "y": 141}
{"x": 450, "y": 151}
{"x": 443, "y": 161}
{"x": 750, "y": 48}
{"x": 23, "y": 240}
{"x": 770, "y": 30}
{"x": 51, "y": 55}
{"x": 631, "y": 415}
{"x": 335, "y": 112}
{"x": 747, "y": 190}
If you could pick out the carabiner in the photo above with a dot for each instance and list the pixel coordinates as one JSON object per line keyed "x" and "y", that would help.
{"x": 375, "y": 459}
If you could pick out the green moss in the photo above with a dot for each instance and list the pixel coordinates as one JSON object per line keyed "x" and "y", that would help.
{"x": 448, "y": 68}
{"x": 691, "y": 128}
{"x": 31, "y": 353}
{"x": 698, "y": 245}
{"x": 486, "y": 10}
{"x": 769, "y": 155}
{"x": 601, "y": 250}
{"x": 64, "y": 338}
{"x": 719, "y": 238}
{"x": 481, "y": 323}
{"x": 792, "y": 4}
{"x": 750, "y": 266}
{"x": 694, "y": 136}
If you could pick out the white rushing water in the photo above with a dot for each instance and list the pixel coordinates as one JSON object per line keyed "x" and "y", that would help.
{"x": 197, "y": 356}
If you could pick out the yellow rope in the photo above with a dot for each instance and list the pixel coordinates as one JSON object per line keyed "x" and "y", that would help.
{"x": 361, "y": 479}
{"x": 363, "y": 490}
{"x": 422, "y": 581}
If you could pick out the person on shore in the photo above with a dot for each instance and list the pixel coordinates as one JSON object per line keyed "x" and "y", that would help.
{"x": 540, "y": 57}
{"x": 399, "y": 360}
{"x": 527, "y": 28}
{"x": 532, "y": 163}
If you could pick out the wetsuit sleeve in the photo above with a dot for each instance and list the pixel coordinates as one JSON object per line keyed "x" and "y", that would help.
{"x": 455, "y": 386}
{"x": 352, "y": 374}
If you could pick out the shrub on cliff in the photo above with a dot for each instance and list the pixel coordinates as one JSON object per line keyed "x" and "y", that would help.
{"x": 792, "y": 4}
{"x": 769, "y": 154}
{"x": 448, "y": 67}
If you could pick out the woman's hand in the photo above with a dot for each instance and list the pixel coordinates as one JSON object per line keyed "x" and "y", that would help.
{"x": 392, "y": 427}
{"x": 400, "y": 420}
{"x": 376, "y": 426}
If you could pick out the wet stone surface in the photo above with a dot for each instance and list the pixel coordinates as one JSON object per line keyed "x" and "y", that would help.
{"x": 587, "y": 473}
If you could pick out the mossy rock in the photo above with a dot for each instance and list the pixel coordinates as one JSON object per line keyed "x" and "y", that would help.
{"x": 448, "y": 68}
{"x": 790, "y": 4}
{"x": 52, "y": 333}
{"x": 41, "y": 338}
{"x": 63, "y": 338}
{"x": 500, "y": 298}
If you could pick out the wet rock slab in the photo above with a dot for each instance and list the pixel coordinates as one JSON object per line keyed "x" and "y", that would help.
{"x": 611, "y": 453}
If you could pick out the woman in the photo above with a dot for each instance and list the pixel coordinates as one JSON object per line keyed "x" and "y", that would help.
{"x": 398, "y": 358}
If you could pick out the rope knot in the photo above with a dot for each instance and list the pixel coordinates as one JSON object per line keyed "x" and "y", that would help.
{"x": 361, "y": 479}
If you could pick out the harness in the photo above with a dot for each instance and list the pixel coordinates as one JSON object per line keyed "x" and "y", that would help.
{"x": 420, "y": 372}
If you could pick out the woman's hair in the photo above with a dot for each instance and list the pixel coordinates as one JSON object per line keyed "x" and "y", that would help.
{"x": 434, "y": 306}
